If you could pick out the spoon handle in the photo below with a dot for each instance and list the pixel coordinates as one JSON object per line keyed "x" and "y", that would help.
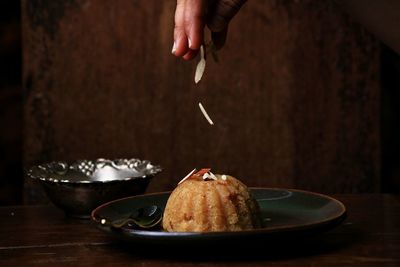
{"x": 122, "y": 222}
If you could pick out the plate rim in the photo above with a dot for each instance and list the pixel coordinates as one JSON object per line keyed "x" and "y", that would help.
{"x": 334, "y": 219}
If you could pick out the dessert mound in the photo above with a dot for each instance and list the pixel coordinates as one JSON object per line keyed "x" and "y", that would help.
{"x": 204, "y": 202}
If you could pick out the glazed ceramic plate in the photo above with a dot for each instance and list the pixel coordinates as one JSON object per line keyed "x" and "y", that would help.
{"x": 286, "y": 214}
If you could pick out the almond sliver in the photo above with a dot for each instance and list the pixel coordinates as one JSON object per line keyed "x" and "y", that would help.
{"x": 203, "y": 110}
{"x": 212, "y": 176}
{"x": 201, "y": 66}
{"x": 187, "y": 176}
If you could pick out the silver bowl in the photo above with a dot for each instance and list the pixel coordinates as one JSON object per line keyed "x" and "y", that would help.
{"x": 81, "y": 186}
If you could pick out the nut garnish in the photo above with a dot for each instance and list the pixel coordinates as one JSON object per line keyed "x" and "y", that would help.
{"x": 187, "y": 176}
{"x": 209, "y": 176}
{"x": 204, "y": 173}
{"x": 205, "y": 114}
{"x": 201, "y": 66}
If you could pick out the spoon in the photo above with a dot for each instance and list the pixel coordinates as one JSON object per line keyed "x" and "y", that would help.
{"x": 145, "y": 217}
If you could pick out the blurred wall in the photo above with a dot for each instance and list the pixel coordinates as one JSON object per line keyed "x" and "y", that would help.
{"x": 295, "y": 97}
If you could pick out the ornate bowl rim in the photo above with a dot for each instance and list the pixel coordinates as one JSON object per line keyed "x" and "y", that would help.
{"x": 54, "y": 170}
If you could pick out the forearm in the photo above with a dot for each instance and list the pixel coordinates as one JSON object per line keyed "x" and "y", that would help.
{"x": 380, "y": 17}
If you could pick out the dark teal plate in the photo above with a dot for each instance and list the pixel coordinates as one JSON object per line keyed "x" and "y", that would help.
{"x": 286, "y": 213}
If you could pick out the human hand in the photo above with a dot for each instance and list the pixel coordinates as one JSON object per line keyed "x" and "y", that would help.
{"x": 191, "y": 16}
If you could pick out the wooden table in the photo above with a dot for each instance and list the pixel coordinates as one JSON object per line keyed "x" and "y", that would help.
{"x": 43, "y": 236}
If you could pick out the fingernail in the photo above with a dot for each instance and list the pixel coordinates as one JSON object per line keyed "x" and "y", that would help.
{"x": 173, "y": 48}
{"x": 190, "y": 42}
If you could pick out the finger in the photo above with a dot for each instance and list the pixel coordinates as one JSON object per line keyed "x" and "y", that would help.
{"x": 219, "y": 38}
{"x": 180, "y": 46}
{"x": 194, "y": 22}
{"x": 190, "y": 55}
{"x": 221, "y": 13}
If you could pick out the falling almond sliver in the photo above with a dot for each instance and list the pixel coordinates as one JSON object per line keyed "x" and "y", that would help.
{"x": 201, "y": 66}
{"x": 203, "y": 110}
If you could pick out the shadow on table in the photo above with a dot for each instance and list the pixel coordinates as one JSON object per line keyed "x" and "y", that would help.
{"x": 249, "y": 250}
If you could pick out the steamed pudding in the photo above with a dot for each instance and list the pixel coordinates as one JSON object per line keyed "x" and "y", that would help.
{"x": 205, "y": 202}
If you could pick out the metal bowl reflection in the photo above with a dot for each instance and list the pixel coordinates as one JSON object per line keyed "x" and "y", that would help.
{"x": 81, "y": 186}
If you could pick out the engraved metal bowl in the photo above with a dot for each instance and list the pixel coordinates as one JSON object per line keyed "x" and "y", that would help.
{"x": 81, "y": 186}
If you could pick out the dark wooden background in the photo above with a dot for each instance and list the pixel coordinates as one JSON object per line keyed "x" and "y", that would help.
{"x": 295, "y": 97}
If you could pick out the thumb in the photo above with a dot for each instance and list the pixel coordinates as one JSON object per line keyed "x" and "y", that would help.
{"x": 219, "y": 38}
{"x": 221, "y": 12}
